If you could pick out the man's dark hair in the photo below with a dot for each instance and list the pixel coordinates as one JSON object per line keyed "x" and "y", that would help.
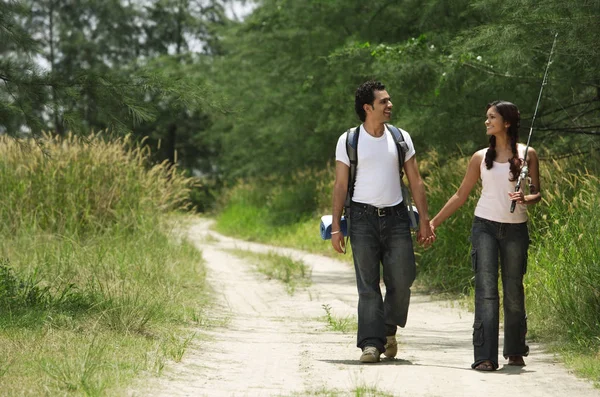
{"x": 365, "y": 94}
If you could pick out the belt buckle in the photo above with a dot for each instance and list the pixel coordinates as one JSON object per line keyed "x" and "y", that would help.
{"x": 381, "y": 212}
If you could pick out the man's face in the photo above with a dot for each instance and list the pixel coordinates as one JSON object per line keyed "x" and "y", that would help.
{"x": 381, "y": 110}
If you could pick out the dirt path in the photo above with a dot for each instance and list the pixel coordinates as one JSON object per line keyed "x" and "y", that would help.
{"x": 275, "y": 344}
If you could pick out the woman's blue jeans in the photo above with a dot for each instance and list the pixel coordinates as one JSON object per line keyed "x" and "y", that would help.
{"x": 508, "y": 242}
{"x": 381, "y": 238}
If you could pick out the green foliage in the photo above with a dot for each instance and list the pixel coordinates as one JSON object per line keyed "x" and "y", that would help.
{"x": 270, "y": 95}
{"x": 93, "y": 286}
{"x": 18, "y": 294}
{"x": 442, "y": 62}
{"x": 261, "y": 207}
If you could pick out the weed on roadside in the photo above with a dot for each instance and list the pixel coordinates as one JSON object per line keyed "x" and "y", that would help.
{"x": 339, "y": 324}
{"x": 359, "y": 391}
{"x": 293, "y": 273}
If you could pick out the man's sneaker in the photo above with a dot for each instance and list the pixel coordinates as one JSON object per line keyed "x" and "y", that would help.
{"x": 391, "y": 347}
{"x": 370, "y": 354}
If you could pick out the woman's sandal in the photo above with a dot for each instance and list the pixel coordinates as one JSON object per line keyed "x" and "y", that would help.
{"x": 516, "y": 361}
{"x": 484, "y": 366}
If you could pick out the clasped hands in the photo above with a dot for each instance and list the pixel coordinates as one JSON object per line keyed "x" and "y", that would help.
{"x": 426, "y": 234}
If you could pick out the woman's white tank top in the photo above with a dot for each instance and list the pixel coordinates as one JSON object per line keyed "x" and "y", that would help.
{"x": 494, "y": 203}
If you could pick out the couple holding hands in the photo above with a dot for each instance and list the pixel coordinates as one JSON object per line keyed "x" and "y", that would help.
{"x": 380, "y": 232}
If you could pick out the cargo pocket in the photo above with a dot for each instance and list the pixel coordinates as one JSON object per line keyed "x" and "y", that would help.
{"x": 478, "y": 333}
{"x": 474, "y": 260}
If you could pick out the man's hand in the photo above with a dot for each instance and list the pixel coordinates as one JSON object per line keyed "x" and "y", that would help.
{"x": 425, "y": 236}
{"x": 338, "y": 243}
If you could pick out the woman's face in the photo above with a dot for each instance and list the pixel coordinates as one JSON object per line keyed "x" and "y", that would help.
{"x": 494, "y": 122}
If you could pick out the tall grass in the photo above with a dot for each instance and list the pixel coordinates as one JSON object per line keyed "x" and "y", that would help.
{"x": 564, "y": 282}
{"x": 563, "y": 279}
{"x": 76, "y": 185}
{"x": 93, "y": 289}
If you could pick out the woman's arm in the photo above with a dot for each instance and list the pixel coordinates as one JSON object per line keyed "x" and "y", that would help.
{"x": 461, "y": 195}
{"x": 535, "y": 194}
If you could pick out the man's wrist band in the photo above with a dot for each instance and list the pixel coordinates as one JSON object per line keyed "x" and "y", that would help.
{"x": 336, "y": 232}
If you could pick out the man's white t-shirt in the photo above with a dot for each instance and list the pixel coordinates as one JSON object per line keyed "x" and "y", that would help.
{"x": 377, "y": 175}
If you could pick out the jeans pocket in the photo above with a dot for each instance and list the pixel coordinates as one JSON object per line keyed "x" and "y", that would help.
{"x": 478, "y": 333}
{"x": 474, "y": 260}
{"x": 357, "y": 213}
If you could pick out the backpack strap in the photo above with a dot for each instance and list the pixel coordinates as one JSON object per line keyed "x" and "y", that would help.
{"x": 402, "y": 147}
{"x": 351, "y": 149}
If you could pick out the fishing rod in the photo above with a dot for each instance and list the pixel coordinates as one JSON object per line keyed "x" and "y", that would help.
{"x": 525, "y": 169}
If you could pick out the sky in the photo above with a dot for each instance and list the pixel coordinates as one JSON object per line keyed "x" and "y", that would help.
{"x": 239, "y": 10}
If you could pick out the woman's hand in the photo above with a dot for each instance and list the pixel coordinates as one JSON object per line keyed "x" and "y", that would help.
{"x": 519, "y": 197}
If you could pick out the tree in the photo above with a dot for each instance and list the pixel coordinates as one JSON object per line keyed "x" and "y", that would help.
{"x": 180, "y": 39}
{"x": 117, "y": 65}
{"x": 23, "y": 87}
{"x": 299, "y": 62}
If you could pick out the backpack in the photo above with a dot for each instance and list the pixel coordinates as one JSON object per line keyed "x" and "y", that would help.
{"x": 351, "y": 149}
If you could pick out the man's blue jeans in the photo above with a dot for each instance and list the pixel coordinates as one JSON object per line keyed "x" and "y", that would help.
{"x": 384, "y": 239}
{"x": 509, "y": 242}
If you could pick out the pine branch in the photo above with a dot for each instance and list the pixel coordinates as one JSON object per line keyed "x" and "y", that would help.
{"x": 586, "y": 102}
{"x": 494, "y": 73}
{"x": 571, "y": 154}
{"x": 570, "y": 130}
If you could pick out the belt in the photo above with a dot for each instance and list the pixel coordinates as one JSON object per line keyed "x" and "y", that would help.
{"x": 380, "y": 211}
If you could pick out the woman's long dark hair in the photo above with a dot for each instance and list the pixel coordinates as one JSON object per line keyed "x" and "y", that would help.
{"x": 509, "y": 113}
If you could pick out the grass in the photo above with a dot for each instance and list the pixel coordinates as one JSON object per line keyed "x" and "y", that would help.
{"x": 584, "y": 363}
{"x": 358, "y": 391}
{"x": 340, "y": 324}
{"x": 293, "y": 274}
{"x": 96, "y": 289}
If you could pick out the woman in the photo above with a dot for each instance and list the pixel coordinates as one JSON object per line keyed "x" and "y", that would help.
{"x": 497, "y": 232}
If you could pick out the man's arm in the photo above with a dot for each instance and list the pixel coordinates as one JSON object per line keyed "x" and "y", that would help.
{"x": 417, "y": 188}
{"x": 340, "y": 189}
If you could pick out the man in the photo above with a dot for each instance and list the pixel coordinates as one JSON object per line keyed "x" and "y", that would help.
{"x": 379, "y": 222}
